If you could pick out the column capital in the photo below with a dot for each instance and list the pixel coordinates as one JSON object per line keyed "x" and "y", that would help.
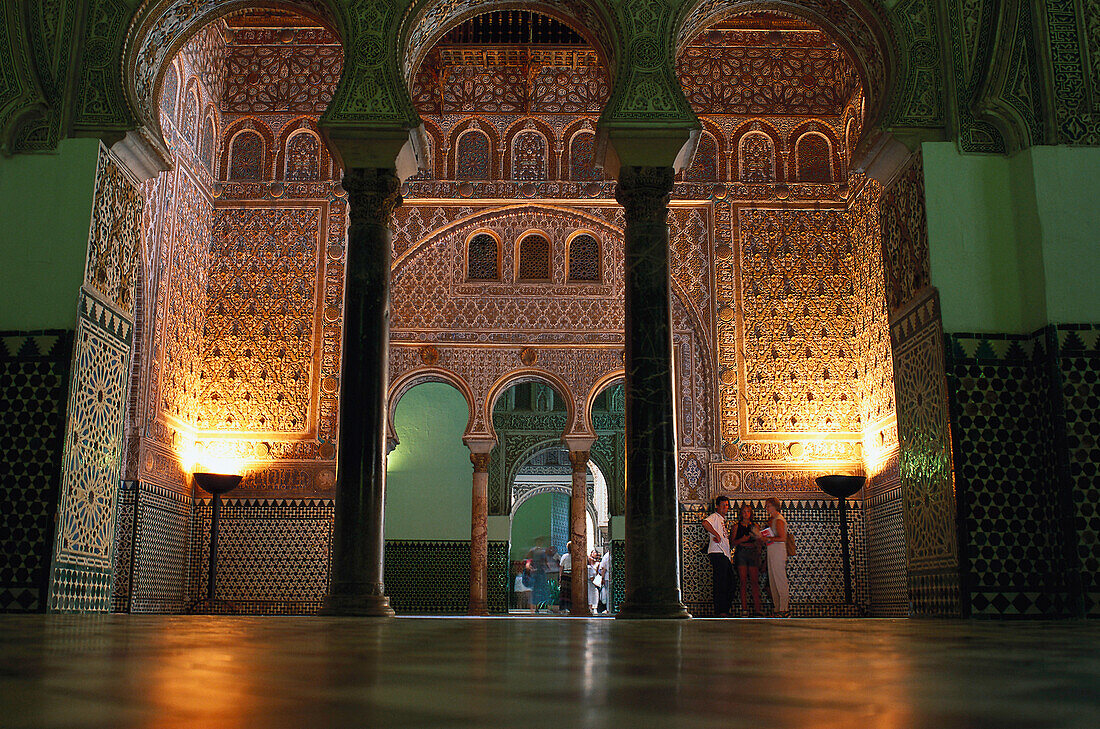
{"x": 644, "y": 194}
{"x": 373, "y": 193}
{"x": 481, "y": 462}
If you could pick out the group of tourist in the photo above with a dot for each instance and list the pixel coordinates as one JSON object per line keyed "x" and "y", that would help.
{"x": 744, "y": 550}
{"x": 543, "y": 570}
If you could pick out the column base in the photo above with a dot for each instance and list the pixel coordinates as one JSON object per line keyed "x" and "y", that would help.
{"x": 478, "y": 611}
{"x": 365, "y": 606}
{"x": 653, "y": 611}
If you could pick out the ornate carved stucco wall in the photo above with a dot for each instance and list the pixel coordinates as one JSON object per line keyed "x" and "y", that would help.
{"x": 779, "y": 339}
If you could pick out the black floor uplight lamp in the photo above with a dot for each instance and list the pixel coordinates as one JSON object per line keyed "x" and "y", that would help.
{"x": 215, "y": 484}
{"x": 842, "y": 487}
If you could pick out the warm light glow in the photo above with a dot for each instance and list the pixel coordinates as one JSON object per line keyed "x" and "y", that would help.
{"x": 212, "y": 457}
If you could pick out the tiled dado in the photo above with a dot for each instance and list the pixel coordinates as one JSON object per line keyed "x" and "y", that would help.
{"x": 274, "y": 558}
{"x": 1024, "y": 416}
{"x": 34, "y": 377}
{"x": 816, "y": 572}
{"x": 432, "y": 577}
{"x": 1078, "y": 369}
{"x": 1012, "y": 557}
{"x": 153, "y": 527}
{"x": 273, "y": 554}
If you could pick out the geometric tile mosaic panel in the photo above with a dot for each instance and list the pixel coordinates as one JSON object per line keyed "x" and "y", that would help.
{"x": 925, "y": 459}
{"x": 34, "y": 378}
{"x": 91, "y": 470}
{"x": 273, "y": 554}
{"x": 1013, "y": 552}
{"x": 815, "y": 573}
{"x": 122, "y": 570}
{"x": 432, "y": 577}
{"x": 1079, "y": 366}
{"x": 885, "y": 527}
{"x": 161, "y": 530}
{"x": 618, "y": 574}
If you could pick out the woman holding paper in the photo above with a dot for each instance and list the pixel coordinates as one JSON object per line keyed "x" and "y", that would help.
{"x": 775, "y": 537}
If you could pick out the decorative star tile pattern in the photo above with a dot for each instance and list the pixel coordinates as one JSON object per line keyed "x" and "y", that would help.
{"x": 1002, "y": 427}
{"x": 34, "y": 377}
{"x": 1079, "y": 366}
{"x": 273, "y": 554}
{"x": 925, "y": 462}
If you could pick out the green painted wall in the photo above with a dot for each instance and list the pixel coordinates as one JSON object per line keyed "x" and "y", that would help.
{"x": 44, "y": 222}
{"x": 428, "y": 475}
{"x": 1067, "y": 192}
{"x": 983, "y": 240}
{"x": 532, "y": 521}
{"x": 1014, "y": 242}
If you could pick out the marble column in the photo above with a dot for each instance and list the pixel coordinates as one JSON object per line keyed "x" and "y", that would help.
{"x": 652, "y": 524}
{"x": 357, "y": 540}
{"x": 479, "y": 535}
{"x": 578, "y": 533}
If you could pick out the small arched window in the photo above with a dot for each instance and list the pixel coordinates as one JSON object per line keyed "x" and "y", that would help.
{"x": 757, "y": 157}
{"x": 168, "y": 92}
{"x": 206, "y": 144}
{"x": 246, "y": 154}
{"x": 582, "y": 157}
{"x": 483, "y": 258}
{"x": 529, "y": 156}
{"x": 812, "y": 155}
{"x": 303, "y": 157}
{"x": 704, "y": 168}
{"x": 584, "y": 259}
{"x": 534, "y": 258}
{"x": 472, "y": 156}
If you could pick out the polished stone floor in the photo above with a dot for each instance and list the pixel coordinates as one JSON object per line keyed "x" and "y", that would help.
{"x": 190, "y": 671}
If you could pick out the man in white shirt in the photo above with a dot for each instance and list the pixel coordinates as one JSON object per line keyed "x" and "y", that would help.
{"x": 718, "y": 552}
{"x": 604, "y": 570}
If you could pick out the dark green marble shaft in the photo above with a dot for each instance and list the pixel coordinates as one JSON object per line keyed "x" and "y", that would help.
{"x": 652, "y": 524}
{"x": 357, "y": 541}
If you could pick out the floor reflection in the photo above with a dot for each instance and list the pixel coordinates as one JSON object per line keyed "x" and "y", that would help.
{"x": 193, "y": 671}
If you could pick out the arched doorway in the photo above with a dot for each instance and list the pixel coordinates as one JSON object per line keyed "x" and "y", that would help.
{"x": 539, "y": 519}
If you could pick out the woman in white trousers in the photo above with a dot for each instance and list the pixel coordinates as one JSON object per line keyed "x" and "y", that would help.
{"x": 777, "y": 559}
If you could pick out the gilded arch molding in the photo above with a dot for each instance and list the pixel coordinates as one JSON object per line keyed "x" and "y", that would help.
{"x": 425, "y": 22}
{"x": 858, "y": 26}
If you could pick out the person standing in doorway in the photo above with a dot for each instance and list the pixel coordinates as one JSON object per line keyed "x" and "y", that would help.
{"x": 537, "y": 557}
{"x": 604, "y": 571}
{"x": 775, "y": 538}
{"x": 718, "y": 552}
{"x": 565, "y": 586}
{"x": 525, "y": 583}
{"x": 593, "y": 590}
